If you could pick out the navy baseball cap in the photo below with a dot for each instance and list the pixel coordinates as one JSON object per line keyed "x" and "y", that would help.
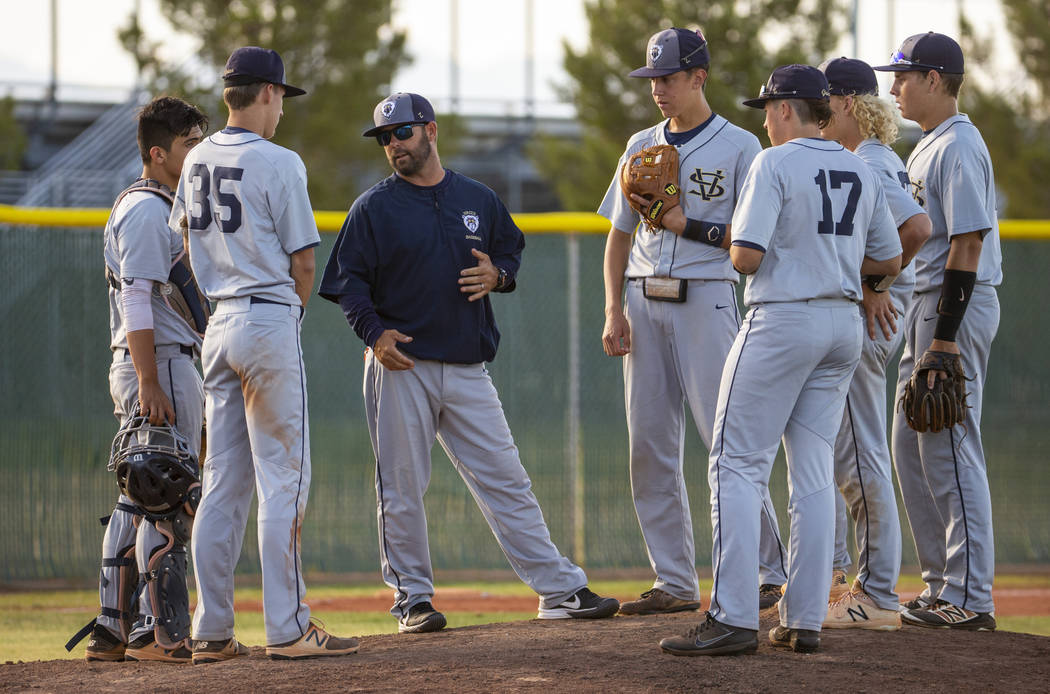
{"x": 672, "y": 50}
{"x": 792, "y": 82}
{"x": 849, "y": 76}
{"x": 251, "y": 64}
{"x": 402, "y": 108}
{"x": 929, "y": 51}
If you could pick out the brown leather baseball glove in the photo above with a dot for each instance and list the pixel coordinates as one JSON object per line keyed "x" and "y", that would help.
{"x": 653, "y": 174}
{"x": 940, "y": 407}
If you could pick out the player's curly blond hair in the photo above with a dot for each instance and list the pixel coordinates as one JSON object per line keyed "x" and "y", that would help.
{"x": 875, "y": 117}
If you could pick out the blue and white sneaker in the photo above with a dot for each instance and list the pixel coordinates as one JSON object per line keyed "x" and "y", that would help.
{"x": 583, "y": 604}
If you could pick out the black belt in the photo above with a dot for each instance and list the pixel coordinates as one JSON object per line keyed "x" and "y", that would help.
{"x": 185, "y": 349}
{"x": 260, "y": 300}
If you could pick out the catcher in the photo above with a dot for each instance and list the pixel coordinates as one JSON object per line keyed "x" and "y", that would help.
{"x": 677, "y": 185}
{"x": 157, "y": 317}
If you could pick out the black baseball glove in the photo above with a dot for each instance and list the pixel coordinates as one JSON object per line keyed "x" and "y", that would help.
{"x": 942, "y": 406}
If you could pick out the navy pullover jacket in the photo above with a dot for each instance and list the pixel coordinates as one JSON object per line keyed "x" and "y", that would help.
{"x": 397, "y": 261}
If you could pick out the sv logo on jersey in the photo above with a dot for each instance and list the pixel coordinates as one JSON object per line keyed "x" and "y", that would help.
{"x": 471, "y": 221}
{"x": 918, "y": 191}
{"x": 709, "y": 183}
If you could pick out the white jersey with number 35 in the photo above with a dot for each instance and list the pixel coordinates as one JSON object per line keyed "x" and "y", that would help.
{"x": 248, "y": 210}
{"x": 816, "y": 210}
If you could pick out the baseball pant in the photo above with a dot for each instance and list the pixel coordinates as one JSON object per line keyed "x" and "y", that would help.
{"x": 458, "y": 405}
{"x": 864, "y": 475}
{"x": 842, "y": 560}
{"x": 786, "y": 377}
{"x": 942, "y": 476}
{"x": 258, "y": 440}
{"x": 677, "y": 354}
{"x": 182, "y": 384}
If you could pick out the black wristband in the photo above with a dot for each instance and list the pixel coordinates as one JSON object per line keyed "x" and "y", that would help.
{"x": 873, "y": 282}
{"x": 955, "y": 295}
{"x": 711, "y": 233}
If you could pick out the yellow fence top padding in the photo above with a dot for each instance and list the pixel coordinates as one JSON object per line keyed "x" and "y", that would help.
{"x": 530, "y": 222}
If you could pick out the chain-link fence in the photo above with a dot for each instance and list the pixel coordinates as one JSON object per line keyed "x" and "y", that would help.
{"x": 563, "y": 398}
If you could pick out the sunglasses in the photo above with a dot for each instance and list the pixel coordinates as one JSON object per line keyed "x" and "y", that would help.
{"x": 899, "y": 58}
{"x": 401, "y": 132}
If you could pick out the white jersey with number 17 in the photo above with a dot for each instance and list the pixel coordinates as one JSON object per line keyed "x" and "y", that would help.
{"x": 815, "y": 209}
{"x": 246, "y": 204}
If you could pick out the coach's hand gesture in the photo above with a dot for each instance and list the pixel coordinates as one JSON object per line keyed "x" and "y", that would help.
{"x": 480, "y": 279}
{"x": 388, "y": 354}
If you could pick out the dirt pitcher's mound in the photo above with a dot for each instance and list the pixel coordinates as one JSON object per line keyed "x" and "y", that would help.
{"x": 611, "y": 655}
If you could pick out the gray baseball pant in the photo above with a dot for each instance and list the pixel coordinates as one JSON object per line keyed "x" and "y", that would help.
{"x": 456, "y": 404}
{"x": 942, "y": 476}
{"x": 677, "y": 354}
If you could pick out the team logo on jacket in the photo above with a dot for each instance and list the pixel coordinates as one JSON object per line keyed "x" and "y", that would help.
{"x": 387, "y": 109}
{"x": 471, "y": 222}
{"x": 709, "y": 183}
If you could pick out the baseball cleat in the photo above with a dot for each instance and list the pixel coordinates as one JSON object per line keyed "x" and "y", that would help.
{"x": 769, "y": 595}
{"x": 104, "y": 646}
{"x": 218, "y": 651}
{"x": 711, "y": 637}
{"x": 420, "y": 619}
{"x": 944, "y": 615}
{"x": 146, "y": 647}
{"x": 856, "y": 610}
{"x": 656, "y": 601}
{"x": 798, "y": 640}
{"x": 315, "y": 643}
{"x": 583, "y": 604}
{"x": 919, "y": 602}
{"x": 839, "y": 585}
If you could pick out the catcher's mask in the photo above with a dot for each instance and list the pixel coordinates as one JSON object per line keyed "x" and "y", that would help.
{"x": 154, "y": 466}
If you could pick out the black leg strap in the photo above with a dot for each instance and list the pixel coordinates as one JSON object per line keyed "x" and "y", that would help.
{"x": 80, "y": 635}
{"x": 127, "y": 508}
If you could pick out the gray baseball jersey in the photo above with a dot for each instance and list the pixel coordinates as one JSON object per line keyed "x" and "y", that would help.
{"x": 678, "y": 349}
{"x": 248, "y": 210}
{"x": 254, "y": 193}
{"x": 952, "y": 178}
{"x": 137, "y": 244}
{"x": 815, "y": 210}
{"x": 863, "y": 470}
{"x": 942, "y": 476}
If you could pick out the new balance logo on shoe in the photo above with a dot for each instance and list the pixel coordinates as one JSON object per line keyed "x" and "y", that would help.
{"x": 857, "y": 614}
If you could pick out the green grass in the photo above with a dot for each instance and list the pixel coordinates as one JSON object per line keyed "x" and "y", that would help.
{"x": 36, "y": 625}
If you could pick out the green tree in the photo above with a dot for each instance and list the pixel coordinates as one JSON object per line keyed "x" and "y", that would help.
{"x": 746, "y": 40}
{"x": 1015, "y": 124}
{"x": 343, "y": 52}
{"x": 12, "y": 137}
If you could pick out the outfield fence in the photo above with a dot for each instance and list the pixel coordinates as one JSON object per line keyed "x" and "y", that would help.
{"x": 563, "y": 398}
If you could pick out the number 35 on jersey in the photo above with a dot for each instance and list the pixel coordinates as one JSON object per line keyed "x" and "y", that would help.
{"x": 215, "y": 196}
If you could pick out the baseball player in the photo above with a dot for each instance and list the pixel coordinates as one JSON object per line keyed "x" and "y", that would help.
{"x": 942, "y": 475}
{"x": 252, "y": 235}
{"x": 674, "y": 347}
{"x": 153, "y": 371}
{"x": 812, "y": 217}
{"x": 426, "y": 231}
{"x": 865, "y": 125}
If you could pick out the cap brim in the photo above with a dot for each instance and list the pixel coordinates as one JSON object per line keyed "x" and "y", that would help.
{"x": 759, "y": 102}
{"x": 372, "y": 132}
{"x": 290, "y": 91}
{"x": 654, "y": 71}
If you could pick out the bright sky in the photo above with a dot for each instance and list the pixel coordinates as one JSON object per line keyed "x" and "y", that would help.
{"x": 492, "y": 45}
